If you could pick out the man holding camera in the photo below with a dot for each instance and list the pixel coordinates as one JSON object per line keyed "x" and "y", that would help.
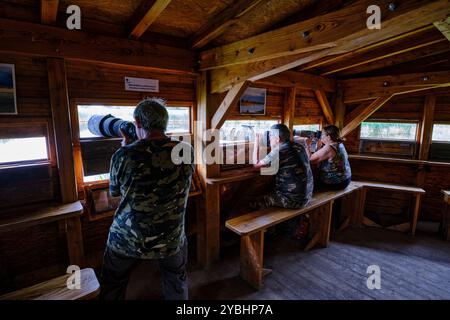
{"x": 149, "y": 221}
{"x": 294, "y": 180}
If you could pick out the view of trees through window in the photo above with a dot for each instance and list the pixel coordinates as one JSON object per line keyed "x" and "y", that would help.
{"x": 179, "y": 117}
{"x": 23, "y": 149}
{"x": 388, "y": 130}
{"x": 441, "y": 132}
{"x": 243, "y": 130}
{"x": 307, "y": 127}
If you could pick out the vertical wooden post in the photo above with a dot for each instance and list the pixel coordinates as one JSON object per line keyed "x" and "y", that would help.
{"x": 59, "y": 101}
{"x": 289, "y": 108}
{"x": 208, "y": 216}
{"x": 339, "y": 109}
{"x": 427, "y": 126}
{"x": 75, "y": 241}
{"x": 416, "y": 212}
{"x": 252, "y": 251}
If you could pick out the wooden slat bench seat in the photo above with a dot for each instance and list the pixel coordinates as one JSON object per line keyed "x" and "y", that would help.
{"x": 417, "y": 193}
{"x": 68, "y": 215}
{"x": 251, "y": 226}
{"x": 56, "y": 289}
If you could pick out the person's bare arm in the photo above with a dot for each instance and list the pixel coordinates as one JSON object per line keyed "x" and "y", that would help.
{"x": 324, "y": 153}
{"x": 256, "y": 163}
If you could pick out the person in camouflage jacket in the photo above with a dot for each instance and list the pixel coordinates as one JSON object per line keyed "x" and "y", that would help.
{"x": 150, "y": 219}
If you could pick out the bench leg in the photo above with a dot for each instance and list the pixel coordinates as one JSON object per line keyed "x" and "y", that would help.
{"x": 252, "y": 250}
{"x": 357, "y": 213}
{"x": 75, "y": 241}
{"x": 415, "y": 215}
{"x": 321, "y": 227}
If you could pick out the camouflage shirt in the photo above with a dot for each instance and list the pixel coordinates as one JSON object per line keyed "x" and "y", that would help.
{"x": 294, "y": 182}
{"x": 149, "y": 221}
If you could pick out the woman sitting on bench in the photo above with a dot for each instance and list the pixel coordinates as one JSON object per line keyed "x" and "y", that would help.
{"x": 332, "y": 160}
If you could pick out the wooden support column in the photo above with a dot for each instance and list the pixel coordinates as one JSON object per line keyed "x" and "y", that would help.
{"x": 208, "y": 215}
{"x": 75, "y": 241}
{"x": 326, "y": 108}
{"x": 289, "y": 108}
{"x": 59, "y": 101}
{"x": 427, "y": 126}
{"x": 339, "y": 109}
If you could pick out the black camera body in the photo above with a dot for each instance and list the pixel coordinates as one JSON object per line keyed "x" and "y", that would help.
{"x": 110, "y": 127}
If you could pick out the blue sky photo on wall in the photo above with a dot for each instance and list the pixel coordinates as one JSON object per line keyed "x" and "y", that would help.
{"x": 253, "y": 101}
{"x": 7, "y": 89}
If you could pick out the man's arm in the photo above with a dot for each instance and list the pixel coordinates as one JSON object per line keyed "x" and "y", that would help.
{"x": 114, "y": 181}
{"x": 257, "y": 164}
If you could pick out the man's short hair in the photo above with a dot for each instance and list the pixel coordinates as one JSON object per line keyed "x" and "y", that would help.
{"x": 152, "y": 114}
{"x": 283, "y": 131}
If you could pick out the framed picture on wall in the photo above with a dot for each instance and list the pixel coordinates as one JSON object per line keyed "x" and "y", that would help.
{"x": 8, "y": 104}
{"x": 253, "y": 101}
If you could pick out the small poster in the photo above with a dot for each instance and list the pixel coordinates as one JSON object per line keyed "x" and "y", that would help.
{"x": 253, "y": 102}
{"x": 8, "y": 104}
{"x": 141, "y": 84}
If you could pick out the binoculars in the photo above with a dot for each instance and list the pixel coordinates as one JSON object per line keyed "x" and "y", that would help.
{"x": 314, "y": 135}
{"x": 110, "y": 127}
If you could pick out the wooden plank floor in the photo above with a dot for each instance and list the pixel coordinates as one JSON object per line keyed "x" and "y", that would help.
{"x": 411, "y": 268}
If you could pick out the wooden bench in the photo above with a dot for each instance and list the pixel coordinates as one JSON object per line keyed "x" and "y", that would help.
{"x": 417, "y": 193}
{"x": 251, "y": 226}
{"x": 445, "y": 225}
{"x": 68, "y": 215}
{"x": 56, "y": 289}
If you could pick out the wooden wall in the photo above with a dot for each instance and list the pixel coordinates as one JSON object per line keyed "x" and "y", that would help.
{"x": 433, "y": 178}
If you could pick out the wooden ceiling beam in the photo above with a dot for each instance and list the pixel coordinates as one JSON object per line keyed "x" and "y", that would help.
{"x": 343, "y": 29}
{"x": 217, "y": 26}
{"x": 324, "y": 104}
{"x": 231, "y": 99}
{"x": 48, "y": 41}
{"x": 354, "y": 53}
{"x": 145, "y": 15}
{"x": 429, "y": 51}
{"x": 300, "y": 80}
{"x": 342, "y": 38}
{"x": 384, "y": 52}
{"x": 362, "y": 89}
{"x": 49, "y": 11}
{"x": 362, "y": 113}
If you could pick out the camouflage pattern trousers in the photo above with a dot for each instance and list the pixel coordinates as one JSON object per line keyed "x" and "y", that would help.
{"x": 116, "y": 270}
{"x": 276, "y": 199}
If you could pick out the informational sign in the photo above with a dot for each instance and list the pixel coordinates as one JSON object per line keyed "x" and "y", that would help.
{"x": 141, "y": 84}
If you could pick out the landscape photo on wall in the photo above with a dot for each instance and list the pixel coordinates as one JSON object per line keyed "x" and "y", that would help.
{"x": 253, "y": 101}
{"x": 8, "y": 103}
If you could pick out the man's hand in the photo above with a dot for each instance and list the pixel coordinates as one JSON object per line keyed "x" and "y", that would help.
{"x": 125, "y": 139}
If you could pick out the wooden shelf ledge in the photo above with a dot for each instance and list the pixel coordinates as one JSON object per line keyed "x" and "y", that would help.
{"x": 398, "y": 160}
{"x": 21, "y": 218}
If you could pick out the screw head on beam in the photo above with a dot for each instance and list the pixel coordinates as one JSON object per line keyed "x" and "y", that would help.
{"x": 426, "y": 78}
{"x": 386, "y": 84}
{"x": 305, "y": 34}
{"x": 251, "y": 50}
{"x": 392, "y": 6}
